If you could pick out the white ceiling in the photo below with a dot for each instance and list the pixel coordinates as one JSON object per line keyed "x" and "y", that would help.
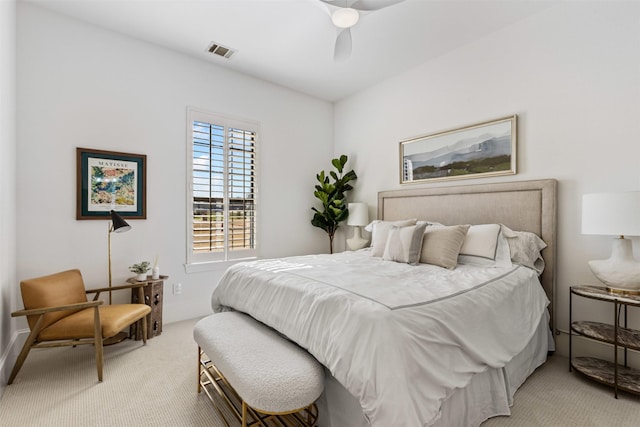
{"x": 290, "y": 42}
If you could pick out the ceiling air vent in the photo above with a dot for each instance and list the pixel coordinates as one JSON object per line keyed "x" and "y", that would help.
{"x": 218, "y": 49}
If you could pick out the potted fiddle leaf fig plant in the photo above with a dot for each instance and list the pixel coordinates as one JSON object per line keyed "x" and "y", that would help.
{"x": 140, "y": 269}
{"x": 331, "y": 192}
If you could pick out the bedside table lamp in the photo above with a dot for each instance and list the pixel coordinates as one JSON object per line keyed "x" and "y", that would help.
{"x": 614, "y": 214}
{"x": 118, "y": 225}
{"x": 358, "y": 217}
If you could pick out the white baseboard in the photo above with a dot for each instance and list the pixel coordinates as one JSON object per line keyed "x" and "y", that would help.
{"x": 8, "y": 358}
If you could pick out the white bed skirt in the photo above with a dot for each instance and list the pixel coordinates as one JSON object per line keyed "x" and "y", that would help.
{"x": 489, "y": 393}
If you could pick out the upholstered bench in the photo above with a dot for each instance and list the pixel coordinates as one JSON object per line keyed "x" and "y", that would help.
{"x": 246, "y": 361}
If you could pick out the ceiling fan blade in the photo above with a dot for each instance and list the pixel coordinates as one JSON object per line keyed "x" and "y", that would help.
{"x": 342, "y": 49}
{"x": 369, "y": 5}
{"x": 339, "y": 3}
{"x": 327, "y": 6}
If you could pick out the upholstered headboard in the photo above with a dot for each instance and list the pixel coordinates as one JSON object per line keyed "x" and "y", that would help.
{"x": 521, "y": 205}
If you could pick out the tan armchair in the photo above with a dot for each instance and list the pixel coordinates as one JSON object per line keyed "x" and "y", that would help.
{"x": 59, "y": 314}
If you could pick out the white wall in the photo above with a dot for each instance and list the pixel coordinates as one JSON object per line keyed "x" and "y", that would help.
{"x": 7, "y": 182}
{"x": 571, "y": 73}
{"x": 81, "y": 86}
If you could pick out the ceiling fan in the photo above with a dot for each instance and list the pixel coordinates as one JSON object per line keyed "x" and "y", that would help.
{"x": 345, "y": 14}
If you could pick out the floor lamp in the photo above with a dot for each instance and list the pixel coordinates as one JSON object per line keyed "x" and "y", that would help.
{"x": 118, "y": 225}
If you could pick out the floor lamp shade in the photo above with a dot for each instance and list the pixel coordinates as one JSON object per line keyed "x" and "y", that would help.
{"x": 358, "y": 217}
{"x": 614, "y": 214}
{"x": 118, "y": 224}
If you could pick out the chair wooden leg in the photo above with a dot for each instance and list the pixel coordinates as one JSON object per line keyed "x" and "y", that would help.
{"x": 97, "y": 338}
{"x": 25, "y": 349}
{"x": 145, "y": 328}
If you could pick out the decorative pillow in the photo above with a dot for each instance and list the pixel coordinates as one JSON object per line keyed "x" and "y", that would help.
{"x": 404, "y": 243}
{"x": 485, "y": 246}
{"x": 380, "y": 230}
{"x": 441, "y": 245}
{"x": 525, "y": 248}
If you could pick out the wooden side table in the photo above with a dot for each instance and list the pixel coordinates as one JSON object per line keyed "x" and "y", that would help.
{"x": 152, "y": 294}
{"x": 616, "y": 375}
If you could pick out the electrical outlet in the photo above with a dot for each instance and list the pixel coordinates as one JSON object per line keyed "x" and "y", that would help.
{"x": 177, "y": 288}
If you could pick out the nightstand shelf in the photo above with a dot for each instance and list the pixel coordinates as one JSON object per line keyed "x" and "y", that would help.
{"x": 628, "y": 338}
{"x": 603, "y": 372}
{"x": 616, "y": 375}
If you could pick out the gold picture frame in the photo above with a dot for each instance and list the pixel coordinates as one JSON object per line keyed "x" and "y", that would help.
{"x": 475, "y": 151}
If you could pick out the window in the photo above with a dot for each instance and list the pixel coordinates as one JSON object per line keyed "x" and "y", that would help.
{"x": 222, "y": 174}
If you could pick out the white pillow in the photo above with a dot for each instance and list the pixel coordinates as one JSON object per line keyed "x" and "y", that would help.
{"x": 485, "y": 246}
{"x": 380, "y": 231}
{"x": 525, "y": 248}
{"x": 404, "y": 243}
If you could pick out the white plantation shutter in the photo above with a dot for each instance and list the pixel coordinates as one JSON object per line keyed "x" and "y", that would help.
{"x": 222, "y": 174}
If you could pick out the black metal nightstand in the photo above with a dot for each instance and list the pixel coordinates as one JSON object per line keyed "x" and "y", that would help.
{"x": 616, "y": 375}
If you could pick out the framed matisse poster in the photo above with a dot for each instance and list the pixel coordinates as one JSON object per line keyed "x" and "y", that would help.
{"x": 474, "y": 151}
{"x": 109, "y": 180}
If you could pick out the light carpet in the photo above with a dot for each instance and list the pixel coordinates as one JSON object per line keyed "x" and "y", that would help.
{"x": 156, "y": 385}
{"x": 554, "y": 397}
{"x": 153, "y": 385}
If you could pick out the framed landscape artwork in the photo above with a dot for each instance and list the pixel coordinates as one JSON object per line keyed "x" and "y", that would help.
{"x": 108, "y": 180}
{"x": 479, "y": 150}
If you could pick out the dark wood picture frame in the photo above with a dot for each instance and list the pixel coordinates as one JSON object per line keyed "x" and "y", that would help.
{"x": 110, "y": 180}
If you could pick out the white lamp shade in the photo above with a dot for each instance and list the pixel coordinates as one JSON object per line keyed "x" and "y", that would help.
{"x": 358, "y": 214}
{"x": 613, "y": 214}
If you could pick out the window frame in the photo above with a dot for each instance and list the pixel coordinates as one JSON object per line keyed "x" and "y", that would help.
{"x": 213, "y": 260}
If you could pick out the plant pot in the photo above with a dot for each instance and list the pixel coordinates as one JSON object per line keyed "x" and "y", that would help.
{"x": 141, "y": 277}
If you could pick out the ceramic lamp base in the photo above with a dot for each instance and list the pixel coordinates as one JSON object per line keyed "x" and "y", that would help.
{"x": 621, "y": 272}
{"x": 357, "y": 242}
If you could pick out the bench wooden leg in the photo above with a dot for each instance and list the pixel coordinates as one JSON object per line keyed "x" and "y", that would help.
{"x": 244, "y": 414}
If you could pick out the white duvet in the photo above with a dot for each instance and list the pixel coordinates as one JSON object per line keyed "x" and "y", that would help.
{"x": 400, "y": 338}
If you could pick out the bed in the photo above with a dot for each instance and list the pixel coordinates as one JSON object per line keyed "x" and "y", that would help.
{"x": 451, "y": 352}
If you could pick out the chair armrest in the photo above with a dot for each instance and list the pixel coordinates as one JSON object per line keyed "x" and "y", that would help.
{"x": 116, "y": 288}
{"x": 35, "y": 311}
